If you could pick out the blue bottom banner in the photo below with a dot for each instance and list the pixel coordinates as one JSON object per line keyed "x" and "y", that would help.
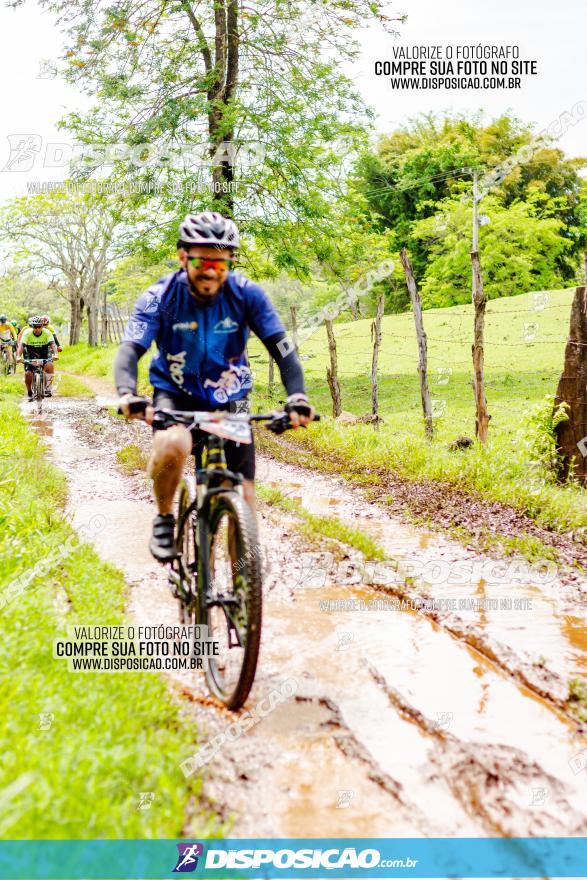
{"x": 293, "y": 857}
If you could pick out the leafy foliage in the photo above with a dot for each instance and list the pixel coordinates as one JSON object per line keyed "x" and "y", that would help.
{"x": 421, "y": 172}
{"x": 518, "y": 248}
{"x": 542, "y": 441}
{"x": 266, "y": 79}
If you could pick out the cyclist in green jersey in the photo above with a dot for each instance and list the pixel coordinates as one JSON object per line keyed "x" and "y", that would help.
{"x": 37, "y": 343}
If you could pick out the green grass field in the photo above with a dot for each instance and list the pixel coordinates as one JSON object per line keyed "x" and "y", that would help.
{"x": 78, "y": 750}
{"x": 518, "y": 372}
{"x": 524, "y": 350}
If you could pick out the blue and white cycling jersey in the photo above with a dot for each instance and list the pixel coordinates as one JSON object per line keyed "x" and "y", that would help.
{"x": 202, "y": 348}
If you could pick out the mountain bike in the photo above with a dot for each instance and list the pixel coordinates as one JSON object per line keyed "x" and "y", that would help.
{"x": 39, "y": 384}
{"x": 216, "y": 576}
{"x": 8, "y": 364}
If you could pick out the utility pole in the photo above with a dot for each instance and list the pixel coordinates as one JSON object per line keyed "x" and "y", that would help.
{"x": 475, "y": 241}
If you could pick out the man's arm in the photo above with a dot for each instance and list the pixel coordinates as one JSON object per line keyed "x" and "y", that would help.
{"x": 20, "y": 344}
{"x": 141, "y": 330}
{"x": 266, "y": 324}
{"x": 288, "y": 363}
{"x": 126, "y": 367}
{"x": 301, "y": 412}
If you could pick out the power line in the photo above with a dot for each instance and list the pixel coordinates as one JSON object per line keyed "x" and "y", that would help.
{"x": 435, "y": 178}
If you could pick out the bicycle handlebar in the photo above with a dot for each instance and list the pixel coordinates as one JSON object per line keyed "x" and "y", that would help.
{"x": 278, "y": 421}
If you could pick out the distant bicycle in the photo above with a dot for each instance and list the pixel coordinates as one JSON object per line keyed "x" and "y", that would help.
{"x": 7, "y": 353}
{"x": 216, "y": 576}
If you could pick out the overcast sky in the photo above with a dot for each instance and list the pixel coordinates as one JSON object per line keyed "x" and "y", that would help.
{"x": 553, "y": 33}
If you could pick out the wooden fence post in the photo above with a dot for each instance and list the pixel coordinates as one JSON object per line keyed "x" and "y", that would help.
{"x": 116, "y": 322}
{"x": 422, "y": 342}
{"x": 271, "y": 382}
{"x": 572, "y": 388}
{"x": 376, "y": 338}
{"x": 479, "y": 303}
{"x": 104, "y": 328}
{"x": 294, "y": 327}
{"x": 332, "y": 371}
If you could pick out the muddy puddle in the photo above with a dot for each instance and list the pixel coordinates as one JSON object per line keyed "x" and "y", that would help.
{"x": 392, "y": 726}
{"x": 525, "y": 606}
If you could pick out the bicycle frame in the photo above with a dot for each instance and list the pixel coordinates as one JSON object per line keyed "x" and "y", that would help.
{"x": 214, "y": 471}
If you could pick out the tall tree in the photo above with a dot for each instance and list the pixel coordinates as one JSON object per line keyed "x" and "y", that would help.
{"x": 262, "y": 80}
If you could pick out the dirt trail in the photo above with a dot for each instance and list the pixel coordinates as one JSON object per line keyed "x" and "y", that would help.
{"x": 397, "y": 727}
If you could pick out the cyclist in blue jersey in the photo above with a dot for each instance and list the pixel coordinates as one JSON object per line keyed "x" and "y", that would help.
{"x": 200, "y": 318}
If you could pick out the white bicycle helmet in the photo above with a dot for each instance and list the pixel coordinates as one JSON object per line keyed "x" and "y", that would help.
{"x": 209, "y": 228}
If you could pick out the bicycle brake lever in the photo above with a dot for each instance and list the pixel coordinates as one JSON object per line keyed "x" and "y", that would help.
{"x": 280, "y": 424}
{"x": 135, "y": 406}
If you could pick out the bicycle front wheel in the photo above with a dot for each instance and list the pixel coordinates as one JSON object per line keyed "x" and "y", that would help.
{"x": 185, "y": 566}
{"x": 231, "y": 603}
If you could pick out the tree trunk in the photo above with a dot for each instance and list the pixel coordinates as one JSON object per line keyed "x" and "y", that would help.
{"x": 376, "y": 337}
{"x": 92, "y": 312}
{"x": 223, "y": 175}
{"x": 223, "y": 72}
{"x": 572, "y": 388}
{"x": 332, "y": 371}
{"x": 422, "y": 342}
{"x": 75, "y": 320}
{"x": 479, "y": 302}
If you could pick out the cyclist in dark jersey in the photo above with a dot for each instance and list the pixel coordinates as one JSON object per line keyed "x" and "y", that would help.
{"x": 200, "y": 318}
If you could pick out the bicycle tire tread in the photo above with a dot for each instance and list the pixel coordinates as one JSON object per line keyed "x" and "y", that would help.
{"x": 247, "y": 527}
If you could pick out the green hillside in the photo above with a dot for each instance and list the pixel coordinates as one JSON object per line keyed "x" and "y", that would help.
{"x": 518, "y": 372}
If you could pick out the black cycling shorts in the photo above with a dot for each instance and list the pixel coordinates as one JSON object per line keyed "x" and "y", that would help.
{"x": 36, "y": 353}
{"x": 240, "y": 457}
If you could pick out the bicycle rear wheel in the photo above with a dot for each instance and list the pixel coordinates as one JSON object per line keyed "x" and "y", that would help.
{"x": 232, "y": 609}
{"x": 39, "y": 388}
